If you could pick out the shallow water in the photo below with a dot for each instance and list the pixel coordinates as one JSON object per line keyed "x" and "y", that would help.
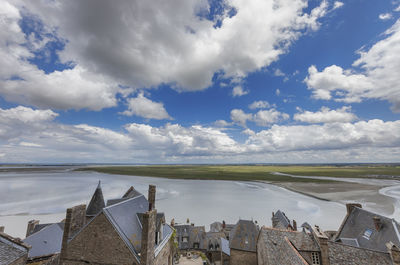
{"x": 46, "y": 195}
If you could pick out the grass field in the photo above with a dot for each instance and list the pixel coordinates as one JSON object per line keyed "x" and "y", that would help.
{"x": 251, "y": 172}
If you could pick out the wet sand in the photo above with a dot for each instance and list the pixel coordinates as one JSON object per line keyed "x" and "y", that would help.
{"x": 344, "y": 192}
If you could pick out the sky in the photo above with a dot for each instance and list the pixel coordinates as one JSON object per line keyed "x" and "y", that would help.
{"x": 197, "y": 81}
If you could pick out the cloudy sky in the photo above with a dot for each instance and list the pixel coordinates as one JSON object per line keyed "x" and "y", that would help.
{"x": 199, "y": 81}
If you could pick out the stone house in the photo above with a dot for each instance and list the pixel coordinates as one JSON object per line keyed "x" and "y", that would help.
{"x": 218, "y": 251}
{"x": 280, "y": 220}
{"x": 127, "y": 231}
{"x": 362, "y": 228}
{"x": 243, "y": 243}
{"x": 191, "y": 237}
{"x": 12, "y": 250}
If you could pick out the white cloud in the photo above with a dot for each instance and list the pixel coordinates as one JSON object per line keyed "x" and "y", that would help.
{"x": 325, "y": 115}
{"x": 385, "y": 16}
{"x": 278, "y": 72}
{"x": 397, "y": 9}
{"x": 144, "y": 107}
{"x": 261, "y": 118}
{"x": 261, "y": 104}
{"x": 379, "y": 78}
{"x": 238, "y": 116}
{"x": 222, "y": 123}
{"x": 337, "y": 4}
{"x": 155, "y": 42}
{"x": 277, "y": 92}
{"x": 238, "y": 91}
{"x": 40, "y": 139}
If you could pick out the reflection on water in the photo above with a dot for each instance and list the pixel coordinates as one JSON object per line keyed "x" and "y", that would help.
{"x": 46, "y": 195}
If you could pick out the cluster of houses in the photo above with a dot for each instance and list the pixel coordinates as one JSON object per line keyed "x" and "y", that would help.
{"x": 130, "y": 231}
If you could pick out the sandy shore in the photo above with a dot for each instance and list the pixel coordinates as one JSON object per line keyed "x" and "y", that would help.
{"x": 343, "y": 192}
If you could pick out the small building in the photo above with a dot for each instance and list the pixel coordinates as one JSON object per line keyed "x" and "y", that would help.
{"x": 243, "y": 243}
{"x": 12, "y": 250}
{"x": 365, "y": 229}
{"x": 218, "y": 251}
{"x": 190, "y": 237}
{"x": 280, "y": 220}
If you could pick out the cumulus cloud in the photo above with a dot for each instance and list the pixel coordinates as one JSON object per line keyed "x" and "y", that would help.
{"x": 385, "y": 16}
{"x": 325, "y": 115}
{"x": 337, "y": 4}
{"x": 261, "y": 118}
{"x": 142, "y": 44}
{"x": 222, "y": 123}
{"x": 238, "y": 91}
{"x": 144, "y": 107}
{"x": 379, "y": 78}
{"x": 261, "y": 104}
{"x": 28, "y": 135}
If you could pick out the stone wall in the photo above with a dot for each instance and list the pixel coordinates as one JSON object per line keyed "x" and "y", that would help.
{"x": 165, "y": 255}
{"x": 20, "y": 261}
{"x": 98, "y": 243}
{"x": 239, "y": 257}
{"x": 148, "y": 237}
{"x": 262, "y": 257}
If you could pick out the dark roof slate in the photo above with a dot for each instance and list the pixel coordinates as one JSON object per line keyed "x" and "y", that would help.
{"x": 359, "y": 225}
{"x": 340, "y": 254}
{"x": 10, "y": 250}
{"x": 280, "y": 220}
{"x": 244, "y": 236}
{"x": 96, "y": 204}
{"x": 279, "y": 249}
{"x": 47, "y": 241}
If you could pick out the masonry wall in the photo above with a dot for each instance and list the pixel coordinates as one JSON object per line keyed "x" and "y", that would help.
{"x": 239, "y": 257}
{"x": 98, "y": 244}
{"x": 165, "y": 255}
{"x": 20, "y": 261}
{"x": 262, "y": 257}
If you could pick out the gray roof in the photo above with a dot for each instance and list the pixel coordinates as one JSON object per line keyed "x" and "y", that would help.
{"x": 130, "y": 193}
{"x": 225, "y": 246}
{"x": 340, "y": 254}
{"x": 244, "y": 236}
{"x": 359, "y": 226}
{"x": 39, "y": 227}
{"x": 46, "y": 241}
{"x": 194, "y": 234}
{"x": 123, "y": 216}
{"x": 10, "y": 250}
{"x": 280, "y": 220}
{"x": 279, "y": 249}
{"x": 96, "y": 204}
{"x": 214, "y": 240}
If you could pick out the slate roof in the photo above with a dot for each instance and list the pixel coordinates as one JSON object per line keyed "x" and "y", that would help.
{"x": 225, "y": 246}
{"x": 302, "y": 241}
{"x": 359, "y": 226}
{"x": 124, "y": 217}
{"x": 279, "y": 249}
{"x": 194, "y": 234}
{"x": 10, "y": 249}
{"x": 280, "y": 220}
{"x": 47, "y": 241}
{"x": 340, "y": 254}
{"x": 39, "y": 227}
{"x": 96, "y": 204}
{"x": 244, "y": 236}
{"x": 130, "y": 193}
{"x": 213, "y": 240}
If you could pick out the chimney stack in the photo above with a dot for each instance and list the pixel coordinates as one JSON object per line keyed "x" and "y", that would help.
{"x": 378, "y": 223}
{"x": 152, "y": 197}
{"x": 75, "y": 219}
{"x": 394, "y": 252}
{"x": 322, "y": 241}
{"x": 294, "y": 225}
{"x": 1, "y": 229}
{"x": 148, "y": 238}
{"x": 31, "y": 227}
{"x": 350, "y": 206}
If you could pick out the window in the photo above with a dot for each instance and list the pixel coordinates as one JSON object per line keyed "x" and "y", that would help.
{"x": 315, "y": 258}
{"x": 184, "y": 239}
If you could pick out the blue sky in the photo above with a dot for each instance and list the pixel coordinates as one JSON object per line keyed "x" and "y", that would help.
{"x": 197, "y": 81}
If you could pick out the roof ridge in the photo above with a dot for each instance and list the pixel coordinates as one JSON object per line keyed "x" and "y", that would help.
{"x": 15, "y": 240}
{"x": 367, "y": 249}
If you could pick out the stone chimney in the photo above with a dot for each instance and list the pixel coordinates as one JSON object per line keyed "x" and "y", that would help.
{"x": 378, "y": 223}
{"x": 350, "y": 206}
{"x": 148, "y": 238}
{"x": 152, "y": 197}
{"x": 394, "y": 252}
{"x": 31, "y": 227}
{"x": 1, "y": 229}
{"x": 322, "y": 241}
{"x": 74, "y": 221}
{"x": 294, "y": 225}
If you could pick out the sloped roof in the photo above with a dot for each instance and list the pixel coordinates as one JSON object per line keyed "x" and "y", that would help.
{"x": 279, "y": 249}
{"x": 96, "y": 204}
{"x": 39, "y": 227}
{"x": 131, "y": 193}
{"x": 46, "y": 241}
{"x": 280, "y": 220}
{"x": 194, "y": 234}
{"x": 244, "y": 236}
{"x": 123, "y": 216}
{"x": 10, "y": 250}
{"x": 340, "y": 254}
{"x": 359, "y": 225}
{"x": 225, "y": 246}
